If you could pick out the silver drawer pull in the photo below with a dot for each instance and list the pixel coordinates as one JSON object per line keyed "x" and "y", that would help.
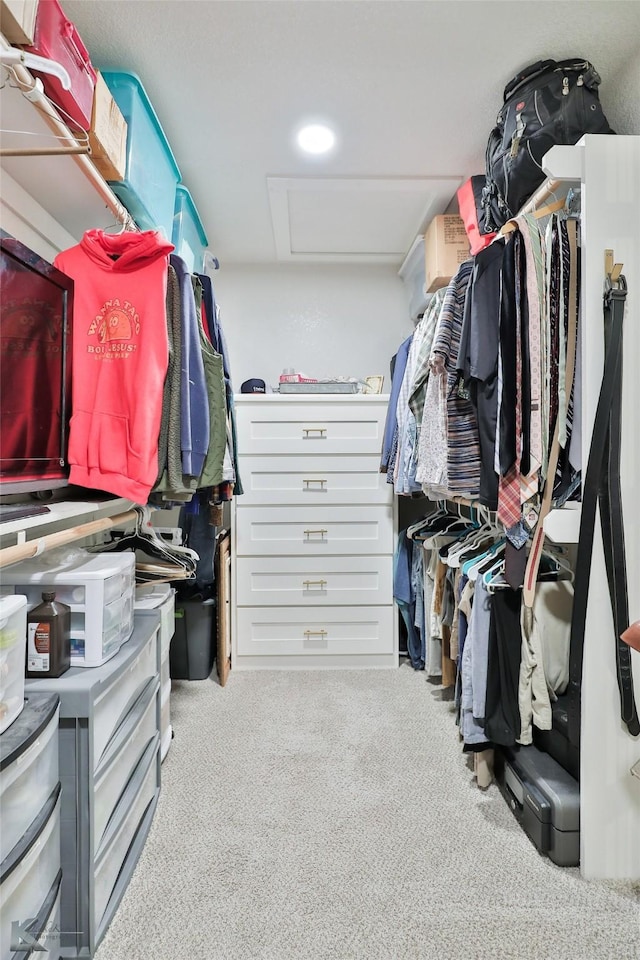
{"x": 307, "y": 584}
{"x": 314, "y": 533}
{"x": 320, "y": 433}
{"x": 307, "y": 483}
{"x": 315, "y": 633}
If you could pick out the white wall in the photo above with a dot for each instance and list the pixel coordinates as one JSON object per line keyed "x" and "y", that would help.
{"x": 620, "y": 100}
{"x": 27, "y": 221}
{"x": 323, "y": 320}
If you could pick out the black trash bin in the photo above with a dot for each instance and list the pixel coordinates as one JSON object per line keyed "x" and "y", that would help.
{"x": 193, "y": 645}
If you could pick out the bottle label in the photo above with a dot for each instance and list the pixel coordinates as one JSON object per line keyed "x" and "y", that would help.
{"x": 39, "y": 647}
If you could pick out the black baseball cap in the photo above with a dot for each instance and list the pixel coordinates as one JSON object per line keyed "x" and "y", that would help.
{"x": 254, "y": 385}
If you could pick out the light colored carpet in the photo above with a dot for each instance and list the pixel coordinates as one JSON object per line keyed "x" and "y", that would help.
{"x": 332, "y": 816}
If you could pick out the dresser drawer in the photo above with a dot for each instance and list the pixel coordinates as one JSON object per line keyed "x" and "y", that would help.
{"x": 313, "y": 530}
{"x": 310, "y": 427}
{"x": 313, "y": 479}
{"x": 278, "y": 631}
{"x": 292, "y": 581}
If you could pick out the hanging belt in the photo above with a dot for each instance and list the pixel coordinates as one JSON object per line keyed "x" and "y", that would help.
{"x": 602, "y": 486}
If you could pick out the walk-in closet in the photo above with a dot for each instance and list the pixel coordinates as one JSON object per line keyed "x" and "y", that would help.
{"x": 319, "y": 550}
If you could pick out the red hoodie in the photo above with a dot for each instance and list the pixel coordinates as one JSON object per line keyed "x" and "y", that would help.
{"x": 120, "y": 356}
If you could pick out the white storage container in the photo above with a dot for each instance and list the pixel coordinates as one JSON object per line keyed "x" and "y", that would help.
{"x": 28, "y": 768}
{"x": 25, "y": 888}
{"x": 99, "y": 588}
{"x": 13, "y": 644}
{"x": 160, "y": 598}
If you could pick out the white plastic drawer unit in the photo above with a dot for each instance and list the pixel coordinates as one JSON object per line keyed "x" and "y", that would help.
{"x": 13, "y": 639}
{"x": 28, "y": 767}
{"x": 117, "y": 626}
{"x": 159, "y": 598}
{"x": 277, "y": 631}
{"x": 129, "y": 743}
{"x": 288, "y": 581}
{"x": 113, "y": 703}
{"x": 28, "y": 879}
{"x": 313, "y": 479}
{"x": 122, "y": 829}
{"x": 313, "y": 529}
{"x": 315, "y": 427}
{"x": 99, "y": 588}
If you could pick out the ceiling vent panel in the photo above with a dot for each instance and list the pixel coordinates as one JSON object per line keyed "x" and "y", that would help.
{"x": 353, "y": 220}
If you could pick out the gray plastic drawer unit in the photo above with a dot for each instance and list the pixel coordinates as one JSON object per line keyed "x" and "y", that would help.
{"x": 545, "y": 799}
{"x": 109, "y": 746}
{"x": 28, "y": 767}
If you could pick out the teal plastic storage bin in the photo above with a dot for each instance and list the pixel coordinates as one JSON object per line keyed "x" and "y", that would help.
{"x": 189, "y": 237}
{"x": 152, "y": 174}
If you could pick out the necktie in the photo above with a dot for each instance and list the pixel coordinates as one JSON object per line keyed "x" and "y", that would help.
{"x": 509, "y": 504}
{"x": 529, "y": 484}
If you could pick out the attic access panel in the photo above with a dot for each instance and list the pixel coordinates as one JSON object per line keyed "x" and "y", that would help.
{"x": 353, "y": 220}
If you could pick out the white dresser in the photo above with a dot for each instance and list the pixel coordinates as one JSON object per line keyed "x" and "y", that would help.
{"x": 313, "y": 535}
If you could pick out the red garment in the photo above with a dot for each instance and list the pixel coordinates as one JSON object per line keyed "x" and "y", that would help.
{"x": 120, "y": 357}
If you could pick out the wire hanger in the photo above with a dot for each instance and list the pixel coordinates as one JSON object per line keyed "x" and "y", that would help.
{"x": 124, "y": 223}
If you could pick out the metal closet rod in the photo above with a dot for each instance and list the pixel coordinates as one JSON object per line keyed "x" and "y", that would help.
{"x": 55, "y": 124}
{"x": 33, "y": 548}
{"x": 44, "y": 151}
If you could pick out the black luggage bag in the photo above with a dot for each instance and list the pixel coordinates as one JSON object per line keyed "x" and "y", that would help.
{"x": 547, "y": 103}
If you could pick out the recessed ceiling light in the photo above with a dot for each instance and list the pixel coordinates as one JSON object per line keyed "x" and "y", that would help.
{"x": 316, "y": 138}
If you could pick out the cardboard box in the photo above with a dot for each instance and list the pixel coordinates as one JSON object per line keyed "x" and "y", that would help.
{"x": 108, "y": 134}
{"x": 18, "y": 20}
{"x": 446, "y": 246}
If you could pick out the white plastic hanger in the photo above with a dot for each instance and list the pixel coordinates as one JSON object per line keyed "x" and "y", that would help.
{"x": 13, "y": 56}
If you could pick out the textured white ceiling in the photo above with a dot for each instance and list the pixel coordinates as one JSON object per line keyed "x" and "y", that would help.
{"x": 412, "y": 88}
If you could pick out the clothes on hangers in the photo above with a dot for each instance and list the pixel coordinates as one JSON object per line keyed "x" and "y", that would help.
{"x": 468, "y": 628}
{"x": 156, "y": 558}
{"x": 212, "y": 468}
{"x": 477, "y": 361}
{"x": 120, "y": 359}
{"x": 153, "y": 410}
{"x": 484, "y": 414}
{"x": 194, "y": 409}
{"x": 232, "y": 483}
{"x": 172, "y": 484}
{"x": 219, "y": 474}
{"x": 544, "y": 667}
{"x": 390, "y": 437}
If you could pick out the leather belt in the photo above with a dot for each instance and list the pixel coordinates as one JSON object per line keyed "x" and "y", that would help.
{"x": 602, "y": 487}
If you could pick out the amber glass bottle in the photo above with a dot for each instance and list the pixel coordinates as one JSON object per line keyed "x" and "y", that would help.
{"x": 48, "y": 638}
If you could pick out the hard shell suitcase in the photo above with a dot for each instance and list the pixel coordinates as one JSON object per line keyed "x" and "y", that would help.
{"x": 544, "y": 798}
